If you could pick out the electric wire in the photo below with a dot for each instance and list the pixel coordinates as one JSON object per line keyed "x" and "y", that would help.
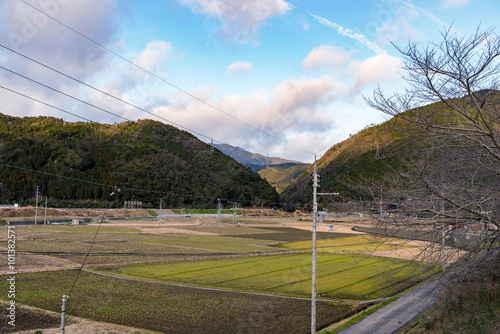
{"x": 164, "y": 80}
{"x": 65, "y": 94}
{"x": 150, "y": 73}
{"x": 85, "y": 260}
{"x": 165, "y": 193}
{"x": 107, "y": 94}
{"x": 72, "y": 97}
{"x": 82, "y": 101}
{"x": 44, "y": 103}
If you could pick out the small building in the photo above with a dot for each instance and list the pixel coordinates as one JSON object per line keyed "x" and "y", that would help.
{"x": 76, "y": 221}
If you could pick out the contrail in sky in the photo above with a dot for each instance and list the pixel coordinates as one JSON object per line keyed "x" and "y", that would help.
{"x": 349, "y": 33}
{"x": 425, "y": 12}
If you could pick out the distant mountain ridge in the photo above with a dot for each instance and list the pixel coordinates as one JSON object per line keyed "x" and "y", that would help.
{"x": 255, "y": 161}
{"x": 279, "y": 172}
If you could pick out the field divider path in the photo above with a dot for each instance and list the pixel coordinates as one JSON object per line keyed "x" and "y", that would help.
{"x": 202, "y": 287}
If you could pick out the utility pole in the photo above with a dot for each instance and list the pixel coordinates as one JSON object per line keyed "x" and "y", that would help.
{"x": 313, "y": 278}
{"x": 63, "y": 314}
{"x": 315, "y": 220}
{"x": 160, "y": 210}
{"x": 219, "y": 217}
{"x": 45, "y": 216}
{"x": 36, "y": 205}
{"x": 381, "y": 201}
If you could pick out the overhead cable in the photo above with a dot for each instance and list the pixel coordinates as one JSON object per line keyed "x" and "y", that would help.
{"x": 164, "y": 80}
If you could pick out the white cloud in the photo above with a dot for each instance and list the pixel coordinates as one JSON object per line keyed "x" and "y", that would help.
{"x": 349, "y": 33}
{"x": 239, "y": 66}
{"x": 296, "y": 108}
{"x": 28, "y": 31}
{"x": 296, "y": 95}
{"x": 154, "y": 52}
{"x": 382, "y": 67}
{"x": 35, "y": 35}
{"x": 455, "y": 3}
{"x": 241, "y": 19}
{"x": 324, "y": 55}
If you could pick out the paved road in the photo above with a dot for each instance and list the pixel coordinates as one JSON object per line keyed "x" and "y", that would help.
{"x": 394, "y": 316}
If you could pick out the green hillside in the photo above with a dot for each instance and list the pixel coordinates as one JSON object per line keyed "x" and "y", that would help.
{"x": 146, "y": 160}
{"x": 344, "y": 163}
{"x": 282, "y": 175}
{"x": 391, "y": 149}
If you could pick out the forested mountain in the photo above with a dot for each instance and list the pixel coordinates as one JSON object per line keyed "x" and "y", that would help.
{"x": 402, "y": 149}
{"x": 255, "y": 161}
{"x": 279, "y": 172}
{"x": 349, "y": 161}
{"x": 282, "y": 175}
{"x": 145, "y": 160}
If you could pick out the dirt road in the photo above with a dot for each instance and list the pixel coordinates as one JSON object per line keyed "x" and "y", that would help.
{"x": 397, "y": 314}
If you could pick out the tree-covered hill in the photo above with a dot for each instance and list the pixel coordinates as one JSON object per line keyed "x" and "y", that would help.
{"x": 146, "y": 160}
{"x": 379, "y": 153}
{"x": 282, "y": 175}
{"x": 348, "y": 161}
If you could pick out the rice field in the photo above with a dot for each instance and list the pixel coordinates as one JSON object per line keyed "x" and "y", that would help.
{"x": 223, "y": 280}
{"x": 350, "y": 244}
{"x": 339, "y": 276}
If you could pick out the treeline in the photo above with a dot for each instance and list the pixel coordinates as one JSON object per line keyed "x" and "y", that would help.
{"x": 141, "y": 161}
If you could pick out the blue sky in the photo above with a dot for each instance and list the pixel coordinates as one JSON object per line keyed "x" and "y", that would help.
{"x": 282, "y": 78}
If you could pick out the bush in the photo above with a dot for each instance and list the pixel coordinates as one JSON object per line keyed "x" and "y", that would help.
{"x": 471, "y": 306}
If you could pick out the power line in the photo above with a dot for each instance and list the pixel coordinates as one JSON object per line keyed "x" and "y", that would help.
{"x": 44, "y": 103}
{"x": 85, "y": 260}
{"x": 165, "y": 193}
{"x": 90, "y": 104}
{"x": 164, "y": 80}
{"x": 104, "y": 92}
{"x": 65, "y": 111}
{"x": 107, "y": 94}
{"x": 82, "y": 101}
{"x": 63, "y": 93}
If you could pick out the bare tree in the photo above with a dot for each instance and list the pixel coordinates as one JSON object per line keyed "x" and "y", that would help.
{"x": 449, "y": 175}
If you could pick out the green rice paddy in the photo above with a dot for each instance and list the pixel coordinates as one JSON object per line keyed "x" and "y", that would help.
{"x": 353, "y": 244}
{"x": 339, "y": 276}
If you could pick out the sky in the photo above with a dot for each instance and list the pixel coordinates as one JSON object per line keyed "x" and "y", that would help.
{"x": 280, "y": 78}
